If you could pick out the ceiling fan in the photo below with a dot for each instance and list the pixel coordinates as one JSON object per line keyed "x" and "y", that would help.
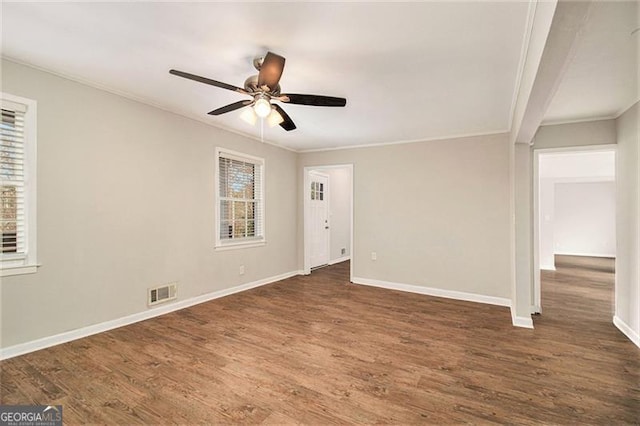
{"x": 263, "y": 89}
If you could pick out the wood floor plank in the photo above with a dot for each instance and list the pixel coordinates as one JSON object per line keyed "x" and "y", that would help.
{"x": 319, "y": 350}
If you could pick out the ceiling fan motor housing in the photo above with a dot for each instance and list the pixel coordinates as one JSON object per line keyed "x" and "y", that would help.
{"x": 251, "y": 86}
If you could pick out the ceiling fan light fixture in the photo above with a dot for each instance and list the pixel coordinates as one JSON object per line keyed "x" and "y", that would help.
{"x": 249, "y": 116}
{"x": 274, "y": 118}
{"x": 262, "y": 108}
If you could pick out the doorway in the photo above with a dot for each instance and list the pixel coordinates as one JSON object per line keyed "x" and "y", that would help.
{"x": 574, "y": 209}
{"x": 328, "y": 216}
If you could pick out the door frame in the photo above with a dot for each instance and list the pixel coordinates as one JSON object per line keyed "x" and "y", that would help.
{"x": 536, "y": 301}
{"x": 306, "y": 212}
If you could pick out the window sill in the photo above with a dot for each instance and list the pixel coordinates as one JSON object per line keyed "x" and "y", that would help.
{"x": 7, "y": 271}
{"x": 241, "y": 245}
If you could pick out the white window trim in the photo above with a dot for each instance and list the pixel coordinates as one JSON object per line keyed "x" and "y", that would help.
{"x": 27, "y": 263}
{"x": 247, "y": 243}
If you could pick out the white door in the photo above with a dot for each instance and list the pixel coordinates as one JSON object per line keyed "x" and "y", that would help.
{"x": 318, "y": 193}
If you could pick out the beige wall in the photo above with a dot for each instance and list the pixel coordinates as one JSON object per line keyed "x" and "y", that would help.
{"x": 126, "y": 202}
{"x": 628, "y": 221}
{"x": 523, "y": 232}
{"x": 585, "y": 218}
{"x": 599, "y": 132}
{"x": 436, "y": 213}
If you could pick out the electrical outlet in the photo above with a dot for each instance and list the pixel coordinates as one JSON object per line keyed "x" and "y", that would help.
{"x": 374, "y": 255}
{"x": 343, "y": 251}
{"x": 241, "y": 269}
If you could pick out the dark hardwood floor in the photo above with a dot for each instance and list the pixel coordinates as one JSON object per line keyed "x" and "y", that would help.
{"x": 317, "y": 350}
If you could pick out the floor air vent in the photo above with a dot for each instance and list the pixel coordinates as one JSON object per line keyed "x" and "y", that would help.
{"x": 162, "y": 294}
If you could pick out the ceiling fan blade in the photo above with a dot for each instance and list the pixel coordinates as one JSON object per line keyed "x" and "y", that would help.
{"x": 271, "y": 70}
{"x": 231, "y": 107}
{"x": 207, "y": 81}
{"x": 315, "y": 100}
{"x": 288, "y": 123}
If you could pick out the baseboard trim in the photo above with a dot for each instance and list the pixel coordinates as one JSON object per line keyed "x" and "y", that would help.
{"x": 339, "y": 260}
{"x": 67, "y": 336}
{"x": 605, "y": 255}
{"x": 626, "y": 330}
{"x": 437, "y": 292}
{"x": 547, "y": 268}
{"x": 524, "y": 322}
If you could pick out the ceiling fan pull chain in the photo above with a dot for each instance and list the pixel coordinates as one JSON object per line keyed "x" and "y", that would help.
{"x": 262, "y": 130}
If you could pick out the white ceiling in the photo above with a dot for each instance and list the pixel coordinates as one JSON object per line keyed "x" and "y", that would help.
{"x": 409, "y": 71}
{"x": 602, "y": 79}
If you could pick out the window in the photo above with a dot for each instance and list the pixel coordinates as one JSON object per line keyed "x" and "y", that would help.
{"x": 317, "y": 191}
{"x": 17, "y": 185}
{"x": 240, "y": 203}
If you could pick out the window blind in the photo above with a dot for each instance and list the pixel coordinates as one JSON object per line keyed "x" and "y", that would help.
{"x": 12, "y": 179}
{"x": 240, "y": 197}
